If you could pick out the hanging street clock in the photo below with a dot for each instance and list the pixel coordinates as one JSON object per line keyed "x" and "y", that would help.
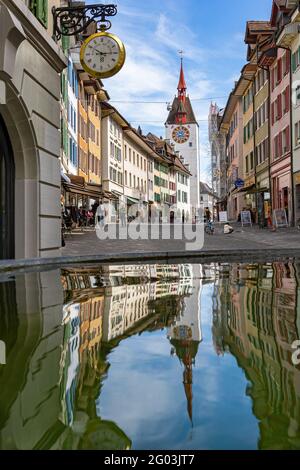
{"x": 102, "y": 55}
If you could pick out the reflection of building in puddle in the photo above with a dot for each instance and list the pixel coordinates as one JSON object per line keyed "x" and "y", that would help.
{"x": 30, "y": 318}
{"x": 83, "y": 368}
{"x": 150, "y": 297}
{"x": 185, "y": 336}
{"x": 127, "y": 303}
{"x": 82, "y": 323}
{"x": 258, "y": 322}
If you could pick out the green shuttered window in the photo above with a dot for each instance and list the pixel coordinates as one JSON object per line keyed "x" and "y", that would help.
{"x": 40, "y": 9}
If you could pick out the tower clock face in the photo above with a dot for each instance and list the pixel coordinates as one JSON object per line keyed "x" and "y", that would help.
{"x": 180, "y": 134}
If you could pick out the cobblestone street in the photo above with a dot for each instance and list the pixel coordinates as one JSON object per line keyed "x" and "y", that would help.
{"x": 87, "y": 243}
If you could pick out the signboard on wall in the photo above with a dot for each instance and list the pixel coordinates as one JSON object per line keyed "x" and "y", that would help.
{"x": 280, "y": 218}
{"x": 246, "y": 218}
{"x": 239, "y": 183}
{"x": 223, "y": 216}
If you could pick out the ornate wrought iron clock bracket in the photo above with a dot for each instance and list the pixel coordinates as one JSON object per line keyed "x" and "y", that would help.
{"x": 70, "y": 21}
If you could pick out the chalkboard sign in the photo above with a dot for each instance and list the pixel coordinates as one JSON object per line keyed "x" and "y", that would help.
{"x": 246, "y": 218}
{"x": 280, "y": 218}
{"x": 223, "y": 216}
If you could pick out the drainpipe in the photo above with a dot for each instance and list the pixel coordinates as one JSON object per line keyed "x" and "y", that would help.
{"x": 269, "y": 136}
{"x": 254, "y": 131}
{"x": 293, "y": 222}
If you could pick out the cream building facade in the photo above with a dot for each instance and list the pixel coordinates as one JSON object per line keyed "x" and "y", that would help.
{"x": 290, "y": 38}
{"x": 30, "y": 67}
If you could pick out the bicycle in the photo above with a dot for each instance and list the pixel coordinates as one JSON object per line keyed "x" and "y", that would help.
{"x": 209, "y": 228}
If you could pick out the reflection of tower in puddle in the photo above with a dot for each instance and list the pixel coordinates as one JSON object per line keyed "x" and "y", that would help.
{"x": 185, "y": 335}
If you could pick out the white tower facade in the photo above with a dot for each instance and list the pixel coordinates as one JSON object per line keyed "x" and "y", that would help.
{"x": 182, "y": 130}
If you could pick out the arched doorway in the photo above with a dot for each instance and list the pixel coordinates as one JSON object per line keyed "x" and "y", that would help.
{"x": 7, "y": 195}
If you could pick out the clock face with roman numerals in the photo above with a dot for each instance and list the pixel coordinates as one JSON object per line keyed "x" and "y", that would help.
{"x": 181, "y": 134}
{"x": 102, "y": 55}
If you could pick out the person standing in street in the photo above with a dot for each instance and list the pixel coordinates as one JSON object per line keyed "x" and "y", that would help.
{"x": 123, "y": 214}
{"x": 100, "y": 214}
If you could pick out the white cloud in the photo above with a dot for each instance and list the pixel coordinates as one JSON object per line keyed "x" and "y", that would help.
{"x": 151, "y": 70}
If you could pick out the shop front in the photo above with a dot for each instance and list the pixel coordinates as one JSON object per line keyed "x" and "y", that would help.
{"x": 297, "y": 197}
{"x": 263, "y": 199}
{"x": 250, "y": 199}
{"x": 282, "y": 189}
{"x": 7, "y": 192}
{"x": 78, "y": 197}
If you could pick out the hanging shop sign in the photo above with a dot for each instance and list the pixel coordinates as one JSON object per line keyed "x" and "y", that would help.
{"x": 239, "y": 183}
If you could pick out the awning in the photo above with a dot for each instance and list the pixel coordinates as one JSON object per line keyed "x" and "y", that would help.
{"x": 132, "y": 200}
{"x": 246, "y": 189}
{"x": 221, "y": 201}
{"x": 253, "y": 190}
{"x": 64, "y": 177}
{"x": 77, "y": 185}
{"x": 84, "y": 191}
{"x": 109, "y": 195}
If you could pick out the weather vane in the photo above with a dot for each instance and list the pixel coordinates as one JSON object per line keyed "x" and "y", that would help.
{"x": 181, "y": 53}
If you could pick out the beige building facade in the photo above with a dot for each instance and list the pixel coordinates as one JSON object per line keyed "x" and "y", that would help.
{"x": 30, "y": 67}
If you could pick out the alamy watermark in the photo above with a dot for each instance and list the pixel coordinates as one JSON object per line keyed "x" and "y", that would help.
{"x": 296, "y": 354}
{"x": 163, "y": 222}
{"x": 2, "y": 352}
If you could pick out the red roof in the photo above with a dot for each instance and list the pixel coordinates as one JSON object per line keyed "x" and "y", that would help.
{"x": 181, "y": 83}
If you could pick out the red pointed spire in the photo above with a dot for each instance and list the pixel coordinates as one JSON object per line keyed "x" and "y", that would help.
{"x": 181, "y": 112}
{"x": 181, "y": 84}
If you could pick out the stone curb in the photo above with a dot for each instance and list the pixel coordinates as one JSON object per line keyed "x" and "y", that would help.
{"x": 266, "y": 255}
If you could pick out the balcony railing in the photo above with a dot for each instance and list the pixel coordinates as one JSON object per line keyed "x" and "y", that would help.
{"x": 288, "y": 34}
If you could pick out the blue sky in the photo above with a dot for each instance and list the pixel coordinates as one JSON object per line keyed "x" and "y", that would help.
{"x": 212, "y": 35}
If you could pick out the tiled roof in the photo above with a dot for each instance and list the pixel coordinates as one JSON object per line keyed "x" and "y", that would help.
{"x": 168, "y": 155}
{"x": 190, "y": 116}
{"x": 205, "y": 189}
{"x": 256, "y": 28}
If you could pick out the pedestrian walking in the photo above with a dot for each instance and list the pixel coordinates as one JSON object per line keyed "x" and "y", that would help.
{"x": 100, "y": 214}
{"x": 123, "y": 215}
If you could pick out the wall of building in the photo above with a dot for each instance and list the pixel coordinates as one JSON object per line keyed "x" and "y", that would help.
{"x": 135, "y": 170}
{"x": 30, "y": 64}
{"x": 190, "y": 153}
{"x": 235, "y": 159}
{"x": 281, "y": 163}
{"x": 94, "y": 139}
{"x": 295, "y": 50}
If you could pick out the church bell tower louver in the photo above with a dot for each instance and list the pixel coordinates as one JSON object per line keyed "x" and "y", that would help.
{"x": 182, "y": 130}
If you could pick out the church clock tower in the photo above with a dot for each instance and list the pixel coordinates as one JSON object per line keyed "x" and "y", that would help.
{"x": 182, "y": 130}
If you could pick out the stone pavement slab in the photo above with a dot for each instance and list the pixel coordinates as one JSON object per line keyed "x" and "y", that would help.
{"x": 251, "y": 238}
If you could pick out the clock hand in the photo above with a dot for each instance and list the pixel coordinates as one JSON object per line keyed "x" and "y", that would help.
{"x": 105, "y": 53}
{"x": 95, "y": 49}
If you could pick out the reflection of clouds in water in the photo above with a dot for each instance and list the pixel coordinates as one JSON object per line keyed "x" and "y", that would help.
{"x": 144, "y": 395}
{"x": 206, "y": 304}
{"x": 151, "y": 397}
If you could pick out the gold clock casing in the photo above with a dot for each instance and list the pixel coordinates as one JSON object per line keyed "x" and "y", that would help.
{"x": 118, "y": 65}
